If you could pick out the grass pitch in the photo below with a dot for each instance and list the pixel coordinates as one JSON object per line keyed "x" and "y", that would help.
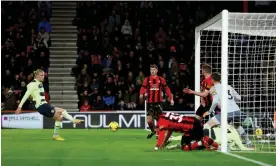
{"x": 103, "y": 148}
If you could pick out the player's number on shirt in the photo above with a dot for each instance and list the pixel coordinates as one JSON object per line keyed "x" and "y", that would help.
{"x": 230, "y": 97}
{"x": 174, "y": 116}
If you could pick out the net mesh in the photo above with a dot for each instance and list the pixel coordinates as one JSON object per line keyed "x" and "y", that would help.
{"x": 251, "y": 70}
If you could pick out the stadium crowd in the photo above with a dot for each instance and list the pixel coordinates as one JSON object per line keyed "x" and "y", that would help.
{"x": 116, "y": 43}
{"x": 116, "y": 48}
{"x": 25, "y": 47}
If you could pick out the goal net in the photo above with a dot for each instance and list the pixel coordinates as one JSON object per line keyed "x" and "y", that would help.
{"x": 242, "y": 47}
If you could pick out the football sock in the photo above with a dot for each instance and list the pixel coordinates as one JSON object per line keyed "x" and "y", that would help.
{"x": 57, "y": 127}
{"x": 151, "y": 126}
{"x": 67, "y": 116}
{"x": 191, "y": 146}
{"x": 157, "y": 131}
{"x": 161, "y": 138}
{"x": 243, "y": 134}
{"x": 235, "y": 136}
{"x": 212, "y": 142}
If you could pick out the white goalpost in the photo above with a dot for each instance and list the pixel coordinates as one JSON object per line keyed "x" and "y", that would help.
{"x": 146, "y": 124}
{"x": 242, "y": 48}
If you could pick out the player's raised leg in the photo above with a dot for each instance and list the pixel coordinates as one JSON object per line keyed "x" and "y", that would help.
{"x": 59, "y": 114}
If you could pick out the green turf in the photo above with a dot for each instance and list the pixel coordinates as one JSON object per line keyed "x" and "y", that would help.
{"x": 102, "y": 148}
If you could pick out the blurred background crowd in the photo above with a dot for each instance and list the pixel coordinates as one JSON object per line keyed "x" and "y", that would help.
{"x": 25, "y": 46}
{"x": 116, "y": 48}
{"x": 116, "y": 43}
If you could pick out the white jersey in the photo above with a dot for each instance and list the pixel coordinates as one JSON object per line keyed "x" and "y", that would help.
{"x": 233, "y": 96}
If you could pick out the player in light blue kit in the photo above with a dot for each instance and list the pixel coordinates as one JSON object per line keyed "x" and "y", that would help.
{"x": 36, "y": 90}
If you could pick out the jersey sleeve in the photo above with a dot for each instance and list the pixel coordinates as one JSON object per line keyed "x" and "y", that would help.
{"x": 213, "y": 91}
{"x": 167, "y": 89}
{"x": 215, "y": 101}
{"x": 30, "y": 89}
{"x": 144, "y": 86}
{"x": 236, "y": 95}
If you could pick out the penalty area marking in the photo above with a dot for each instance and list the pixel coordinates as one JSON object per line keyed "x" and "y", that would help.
{"x": 254, "y": 152}
{"x": 248, "y": 159}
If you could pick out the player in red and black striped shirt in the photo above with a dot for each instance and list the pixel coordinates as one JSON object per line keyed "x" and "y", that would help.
{"x": 192, "y": 128}
{"x": 152, "y": 88}
{"x": 206, "y": 84}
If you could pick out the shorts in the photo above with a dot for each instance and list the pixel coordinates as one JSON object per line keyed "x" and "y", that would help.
{"x": 46, "y": 110}
{"x": 154, "y": 109}
{"x": 202, "y": 110}
{"x": 236, "y": 116}
{"x": 196, "y": 134}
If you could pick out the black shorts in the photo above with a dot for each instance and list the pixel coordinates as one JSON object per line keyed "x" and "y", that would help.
{"x": 46, "y": 110}
{"x": 201, "y": 110}
{"x": 194, "y": 135}
{"x": 154, "y": 109}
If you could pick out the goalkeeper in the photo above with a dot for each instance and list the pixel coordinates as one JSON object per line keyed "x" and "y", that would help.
{"x": 36, "y": 90}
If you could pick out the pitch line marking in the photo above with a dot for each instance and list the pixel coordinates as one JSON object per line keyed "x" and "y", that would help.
{"x": 248, "y": 159}
{"x": 245, "y": 152}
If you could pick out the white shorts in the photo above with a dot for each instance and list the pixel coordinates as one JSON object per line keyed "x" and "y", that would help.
{"x": 230, "y": 116}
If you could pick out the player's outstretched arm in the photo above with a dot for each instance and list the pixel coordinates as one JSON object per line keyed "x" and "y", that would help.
{"x": 201, "y": 94}
{"x": 25, "y": 97}
{"x": 215, "y": 102}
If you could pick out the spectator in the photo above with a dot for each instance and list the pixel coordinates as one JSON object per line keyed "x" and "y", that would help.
{"x": 126, "y": 28}
{"x": 44, "y": 8}
{"x": 114, "y": 19}
{"x": 99, "y": 104}
{"x": 85, "y": 96}
{"x": 94, "y": 84}
{"x": 44, "y": 35}
{"x": 130, "y": 78}
{"x": 94, "y": 95}
{"x": 109, "y": 100}
{"x": 85, "y": 107}
{"x": 110, "y": 84}
{"x": 82, "y": 78}
{"x": 16, "y": 83}
{"x": 140, "y": 78}
{"x": 131, "y": 98}
{"x": 3, "y": 106}
{"x": 107, "y": 63}
{"x": 44, "y": 24}
{"x": 10, "y": 100}
{"x": 31, "y": 38}
{"x": 40, "y": 42}
{"x": 180, "y": 105}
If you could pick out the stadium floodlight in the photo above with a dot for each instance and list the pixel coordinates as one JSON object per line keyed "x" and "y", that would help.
{"x": 242, "y": 47}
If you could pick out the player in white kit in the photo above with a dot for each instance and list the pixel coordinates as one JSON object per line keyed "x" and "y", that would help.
{"x": 234, "y": 112}
{"x": 36, "y": 90}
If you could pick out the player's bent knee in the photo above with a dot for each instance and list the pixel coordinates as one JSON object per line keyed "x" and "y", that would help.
{"x": 211, "y": 123}
{"x": 149, "y": 118}
{"x": 59, "y": 110}
{"x": 58, "y": 118}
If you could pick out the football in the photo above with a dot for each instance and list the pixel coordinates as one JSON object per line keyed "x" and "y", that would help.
{"x": 259, "y": 132}
{"x": 113, "y": 126}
